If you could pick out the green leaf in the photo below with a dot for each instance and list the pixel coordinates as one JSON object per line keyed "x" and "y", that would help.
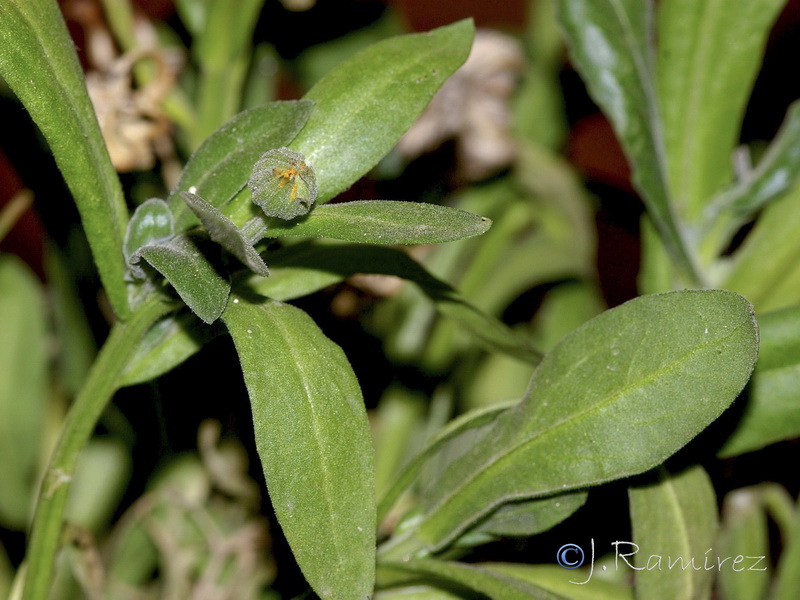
{"x": 418, "y": 592}
{"x": 367, "y": 102}
{"x": 223, "y": 231}
{"x": 193, "y": 277}
{"x": 551, "y": 577}
{"x": 23, "y": 388}
{"x": 788, "y": 571}
{"x": 151, "y": 223}
{"x": 775, "y": 175}
{"x": 616, "y": 397}
{"x": 611, "y": 44}
{"x": 456, "y": 428}
{"x": 488, "y": 583}
{"x": 313, "y": 439}
{"x": 38, "y": 61}
{"x": 770, "y": 413}
{"x": 709, "y": 54}
{"x": 384, "y": 222}
{"x": 744, "y": 534}
{"x": 766, "y": 269}
{"x": 221, "y": 166}
{"x": 283, "y": 184}
{"x": 531, "y": 517}
{"x": 674, "y": 516}
{"x": 166, "y": 345}
{"x": 347, "y": 259}
{"x": 306, "y": 268}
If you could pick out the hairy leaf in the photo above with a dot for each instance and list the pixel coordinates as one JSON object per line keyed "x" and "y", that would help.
{"x": 193, "y": 277}
{"x": 313, "y": 439}
{"x": 674, "y": 516}
{"x": 38, "y": 61}
{"x": 384, "y": 222}
{"x": 221, "y": 166}
{"x": 151, "y": 223}
{"x": 223, "y": 231}
{"x": 616, "y": 397}
{"x": 367, "y": 102}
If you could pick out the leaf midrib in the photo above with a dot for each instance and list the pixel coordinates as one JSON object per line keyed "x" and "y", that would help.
{"x": 536, "y": 436}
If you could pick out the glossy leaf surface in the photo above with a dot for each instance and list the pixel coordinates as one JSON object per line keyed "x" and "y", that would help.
{"x": 151, "y": 223}
{"x": 616, "y": 397}
{"x": 38, "y": 61}
{"x": 367, "y": 102}
{"x": 221, "y": 166}
{"x": 771, "y": 411}
{"x": 193, "y": 277}
{"x": 384, "y": 222}
{"x": 611, "y": 44}
{"x": 709, "y": 53}
{"x": 313, "y": 439}
{"x": 674, "y": 516}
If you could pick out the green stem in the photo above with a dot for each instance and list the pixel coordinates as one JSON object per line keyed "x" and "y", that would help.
{"x": 100, "y": 385}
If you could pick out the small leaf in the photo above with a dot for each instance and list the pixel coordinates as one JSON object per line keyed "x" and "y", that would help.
{"x": 283, "y": 184}
{"x": 612, "y": 46}
{"x": 366, "y": 103}
{"x": 223, "y": 231}
{"x": 151, "y": 223}
{"x": 384, "y": 222}
{"x": 23, "y": 388}
{"x": 221, "y": 166}
{"x": 675, "y": 516}
{"x": 39, "y": 63}
{"x": 193, "y": 277}
{"x": 313, "y": 439}
{"x": 488, "y": 583}
{"x": 616, "y": 397}
{"x": 771, "y": 413}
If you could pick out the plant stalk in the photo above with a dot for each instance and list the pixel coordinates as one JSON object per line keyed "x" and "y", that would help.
{"x": 101, "y": 383}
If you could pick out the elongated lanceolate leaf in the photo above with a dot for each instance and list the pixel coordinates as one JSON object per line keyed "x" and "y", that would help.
{"x": 223, "y": 231}
{"x": 193, "y": 277}
{"x": 777, "y": 172}
{"x": 313, "y": 439}
{"x": 38, "y": 61}
{"x": 221, "y": 166}
{"x": 551, "y": 577}
{"x": 23, "y": 388}
{"x": 384, "y": 222}
{"x": 491, "y": 584}
{"x": 367, "y": 102}
{"x": 674, "y": 516}
{"x": 615, "y": 397}
{"x": 709, "y": 53}
{"x": 611, "y": 44}
{"x": 771, "y": 411}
